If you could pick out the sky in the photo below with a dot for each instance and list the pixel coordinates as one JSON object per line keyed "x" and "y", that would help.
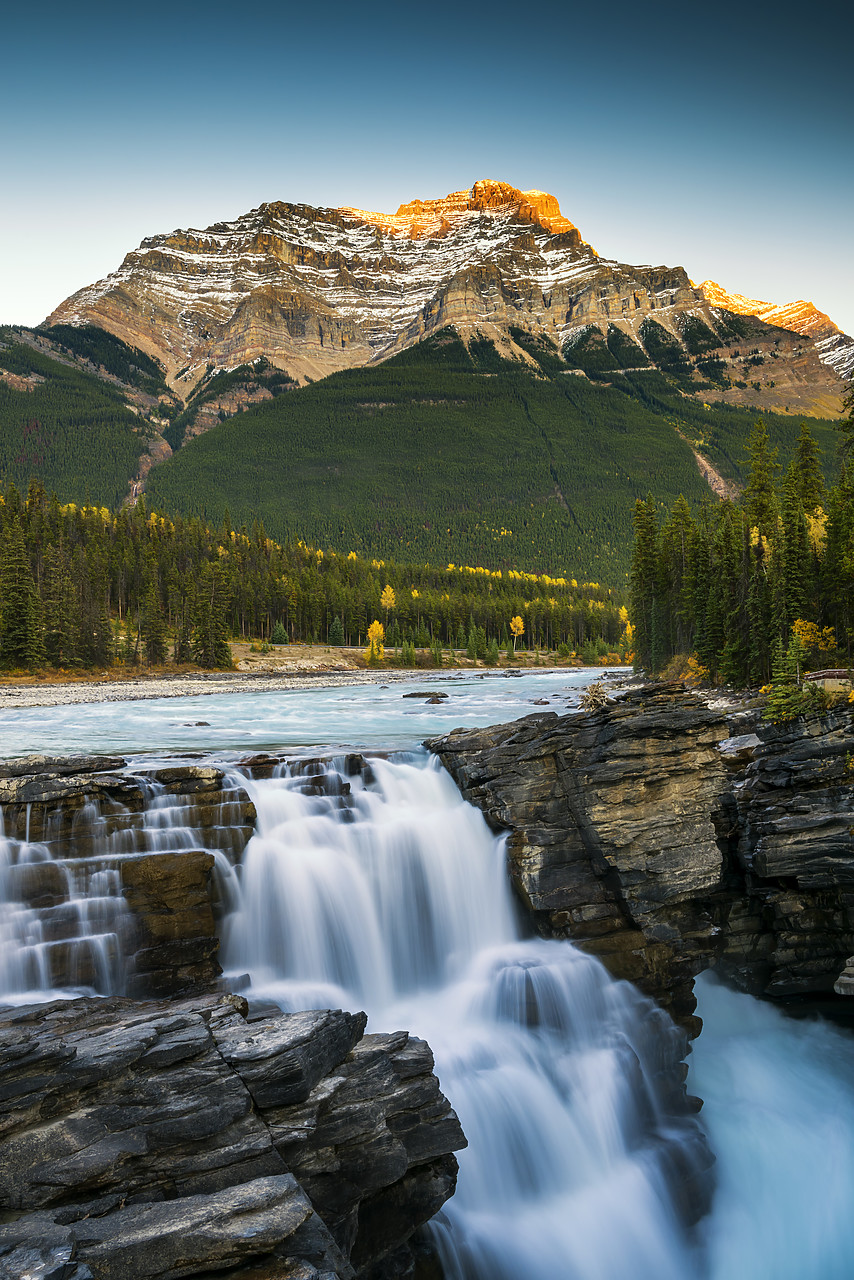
{"x": 715, "y": 137}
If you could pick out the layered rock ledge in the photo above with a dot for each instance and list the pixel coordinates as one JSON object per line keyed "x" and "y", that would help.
{"x": 660, "y": 836}
{"x": 89, "y": 814}
{"x": 148, "y": 1141}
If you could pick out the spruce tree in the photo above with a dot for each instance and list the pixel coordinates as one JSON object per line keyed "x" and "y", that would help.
{"x": 644, "y": 579}
{"x": 794, "y": 551}
{"x": 758, "y": 500}
{"x": 210, "y": 645}
{"x": 59, "y": 607}
{"x": 153, "y": 627}
{"x": 21, "y": 614}
{"x": 805, "y": 470}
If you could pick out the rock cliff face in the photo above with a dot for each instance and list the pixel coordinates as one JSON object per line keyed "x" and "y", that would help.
{"x": 612, "y": 829}
{"x": 319, "y": 290}
{"x": 146, "y": 1141}
{"x": 834, "y": 347}
{"x": 650, "y": 836}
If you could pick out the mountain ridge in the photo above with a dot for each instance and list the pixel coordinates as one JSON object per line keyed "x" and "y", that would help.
{"x": 315, "y": 291}
{"x": 835, "y": 348}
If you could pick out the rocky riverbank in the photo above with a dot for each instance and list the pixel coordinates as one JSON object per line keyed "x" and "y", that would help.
{"x": 149, "y": 1141}
{"x": 669, "y": 837}
{"x": 144, "y": 688}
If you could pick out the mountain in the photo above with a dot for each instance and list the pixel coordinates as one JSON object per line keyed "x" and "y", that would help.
{"x": 448, "y": 452}
{"x": 834, "y": 347}
{"x": 315, "y": 291}
{"x": 464, "y": 380}
{"x": 79, "y": 412}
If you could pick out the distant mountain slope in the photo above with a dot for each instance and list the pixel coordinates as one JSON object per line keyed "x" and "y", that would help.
{"x": 453, "y": 454}
{"x": 834, "y": 347}
{"x": 67, "y": 427}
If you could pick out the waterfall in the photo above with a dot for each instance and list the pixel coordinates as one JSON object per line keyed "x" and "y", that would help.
{"x": 382, "y": 889}
{"x": 65, "y": 928}
{"x": 64, "y": 925}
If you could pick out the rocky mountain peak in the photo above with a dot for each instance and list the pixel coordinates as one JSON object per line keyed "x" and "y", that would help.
{"x": 436, "y": 218}
{"x": 317, "y": 290}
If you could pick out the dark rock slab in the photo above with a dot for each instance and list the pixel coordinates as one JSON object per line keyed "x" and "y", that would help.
{"x": 612, "y": 819}
{"x": 667, "y": 838}
{"x": 151, "y": 1140}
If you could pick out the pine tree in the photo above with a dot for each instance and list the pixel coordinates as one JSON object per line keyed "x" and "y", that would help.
{"x": 58, "y": 608}
{"x": 759, "y": 500}
{"x": 21, "y": 614}
{"x": 336, "y": 632}
{"x": 760, "y": 619}
{"x": 210, "y": 647}
{"x": 677, "y": 538}
{"x": 805, "y": 470}
{"x": 794, "y": 551}
{"x": 644, "y": 579}
{"x": 153, "y": 627}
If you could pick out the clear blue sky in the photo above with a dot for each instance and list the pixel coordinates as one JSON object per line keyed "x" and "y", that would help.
{"x": 715, "y": 137}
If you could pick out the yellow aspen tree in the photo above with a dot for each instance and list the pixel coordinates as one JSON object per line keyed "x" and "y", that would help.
{"x": 517, "y": 628}
{"x": 375, "y": 651}
{"x": 387, "y": 599}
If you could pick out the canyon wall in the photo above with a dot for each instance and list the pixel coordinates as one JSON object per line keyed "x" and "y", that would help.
{"x": 667, "y": 838}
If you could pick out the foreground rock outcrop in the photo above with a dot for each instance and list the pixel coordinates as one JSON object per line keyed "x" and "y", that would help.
{"x": 653, "y": 837}
{"x": 612, "y": 821}
{"x": 148, "y": 1141}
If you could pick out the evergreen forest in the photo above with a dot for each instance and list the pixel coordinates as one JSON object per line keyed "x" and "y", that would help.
{"x": 69, "y": 428}
{"x": 759, "y": 590}
{"x": 447, "y": 453}
{"x": 84, "y": 586}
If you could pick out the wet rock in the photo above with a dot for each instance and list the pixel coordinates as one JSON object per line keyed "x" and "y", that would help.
{"x": 844, "y": 984}
{"x": 656, "y": 837}
{"x": 612, "y": 829}
{"x": 176, "y": 943}
{"x": 59, "y": 765}
{"x": 154, "y": 1140}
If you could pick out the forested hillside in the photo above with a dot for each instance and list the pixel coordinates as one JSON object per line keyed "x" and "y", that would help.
{"x": 444, "y": 454}
{"x": 85, "y": 586}
{"x": 69, "y": 428}
{"x": 756, "y": 589}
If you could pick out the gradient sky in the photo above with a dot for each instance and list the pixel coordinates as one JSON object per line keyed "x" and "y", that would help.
{"x": 716, "y": 137}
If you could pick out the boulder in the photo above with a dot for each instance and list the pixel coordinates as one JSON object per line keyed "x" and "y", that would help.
{"x": 150, "y": 1140}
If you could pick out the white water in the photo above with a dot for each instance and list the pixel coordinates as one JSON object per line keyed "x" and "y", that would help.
{"x": 779, "y": 1111}
{"x": 64, "y": 924}
{"x": 563, "y": 1177}
{"x": 65, "y": 928}
{"x": 393, "y": 897}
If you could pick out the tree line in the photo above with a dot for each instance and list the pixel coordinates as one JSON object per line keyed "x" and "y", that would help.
{"x": 754, "y": 587}
{"x": 84, "y": 586}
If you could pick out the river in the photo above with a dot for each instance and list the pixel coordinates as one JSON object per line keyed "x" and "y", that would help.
{"x": 384, "y": 890}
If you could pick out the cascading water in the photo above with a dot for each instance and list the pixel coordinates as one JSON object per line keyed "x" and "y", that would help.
{"x": 386, "y": 891}
{"x": 65, "y": 928}
{"x": 64, "y": 924}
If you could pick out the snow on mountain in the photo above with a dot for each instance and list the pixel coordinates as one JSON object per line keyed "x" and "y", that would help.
{"x": 834, "y": 347}
{"x": 317, "y": 290}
